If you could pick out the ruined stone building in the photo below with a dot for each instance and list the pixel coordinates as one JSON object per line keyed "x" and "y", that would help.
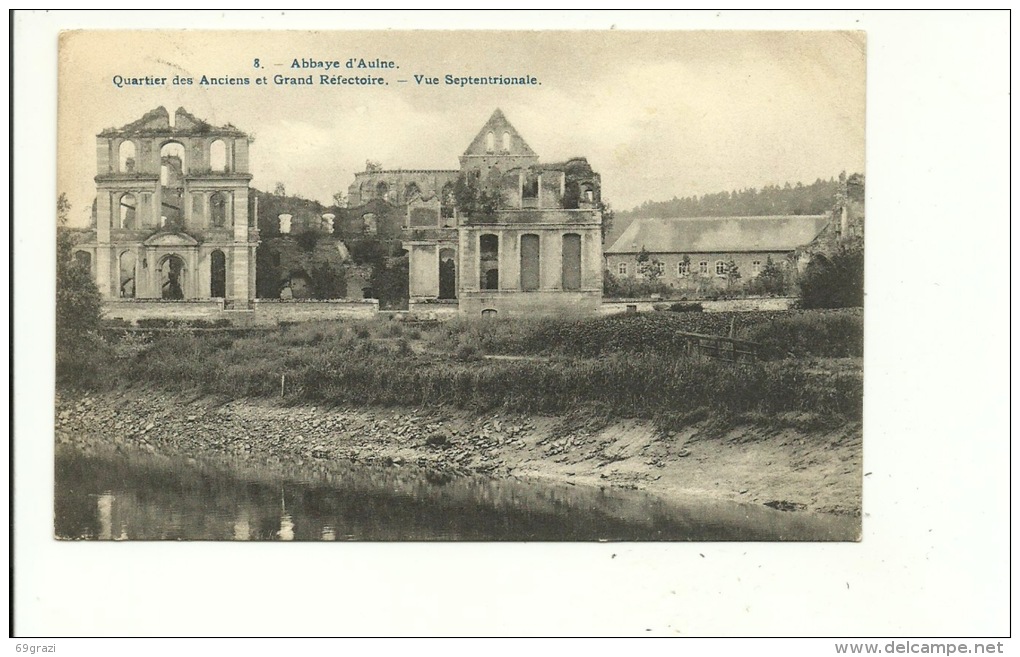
{"x": 171, "y": 218}
{"x": 501, "y": 234}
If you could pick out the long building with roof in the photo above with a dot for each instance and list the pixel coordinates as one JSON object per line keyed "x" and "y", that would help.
{"x": 697, "y": 253}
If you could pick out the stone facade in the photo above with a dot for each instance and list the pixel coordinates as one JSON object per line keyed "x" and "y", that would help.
{"x": 172, "y": 220}
{"x": 503, "y": 234}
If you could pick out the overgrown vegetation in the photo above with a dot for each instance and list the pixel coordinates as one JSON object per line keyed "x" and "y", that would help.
{"x": 79, "y": 349}
{"x": 835, "y": 280}
{"x": 621, "y": 366}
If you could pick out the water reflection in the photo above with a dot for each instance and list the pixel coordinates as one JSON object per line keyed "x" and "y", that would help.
{"x": 154, "y": 498}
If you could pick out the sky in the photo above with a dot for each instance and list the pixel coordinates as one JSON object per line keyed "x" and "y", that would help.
{"x": 657, "y": 114}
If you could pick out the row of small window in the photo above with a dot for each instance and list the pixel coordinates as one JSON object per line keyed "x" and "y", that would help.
{"x": 684, "y": 268}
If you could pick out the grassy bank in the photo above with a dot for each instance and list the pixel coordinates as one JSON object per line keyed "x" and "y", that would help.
{"x": 627, "y": 366}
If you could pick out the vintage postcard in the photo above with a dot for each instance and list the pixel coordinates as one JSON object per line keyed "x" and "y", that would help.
{"x": 510, "y": 323}
{"x": 460, "y": 285}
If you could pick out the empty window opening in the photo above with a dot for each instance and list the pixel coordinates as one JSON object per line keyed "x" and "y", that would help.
{"x": 488, "y": 256}
{"x": 171, "y": 155}
{"x": 218, "y": 155}
{"x": 411, "y": 190}
{"x": 589, "y": 194}
{"x": 530, "y": 259}
{"x": 171, "y": 276}
{"x": 218, "y": 210}
{"x": 172, "y": 168}
{"x": 490, "y": 142}
{"x": 217, "y": 275}
{"x": 506, "y": 142}
{"x": 126, "y": 156}
{"x": 447, "y": 274}
{"x": 285, "y": 223}
{"x": 529, "y": 189}
{"x": 571, "y": 261}
{"x": 489, "y": 313}
{"x": 381, "y": 190}
{"x": 128, "y": 261}
{"x": 447, "y": 205}
{"x": 127, "y": 211}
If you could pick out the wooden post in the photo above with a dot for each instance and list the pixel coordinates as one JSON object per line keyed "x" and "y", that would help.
{"x": 283, "y": 384}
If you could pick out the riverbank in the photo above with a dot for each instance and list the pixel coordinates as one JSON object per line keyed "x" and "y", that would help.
{"x": 816, "y": 471}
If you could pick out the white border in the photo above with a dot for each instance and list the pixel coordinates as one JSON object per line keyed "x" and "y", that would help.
{"x": 934, "y": 560}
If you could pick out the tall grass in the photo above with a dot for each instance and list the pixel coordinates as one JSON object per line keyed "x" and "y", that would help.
{"x": 342, "y": 370}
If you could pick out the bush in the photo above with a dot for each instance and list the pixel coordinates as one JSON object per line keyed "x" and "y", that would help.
{"x": 835, "y": 280}
{"x": 686, "y": 308}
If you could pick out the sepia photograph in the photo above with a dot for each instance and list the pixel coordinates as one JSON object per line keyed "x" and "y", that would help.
{"x": 516, "y": 323}
{"x": 342, "y": 286}
{"x": 348, "y": 289}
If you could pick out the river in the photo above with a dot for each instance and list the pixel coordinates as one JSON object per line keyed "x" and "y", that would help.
{"x": 142, "y": 496}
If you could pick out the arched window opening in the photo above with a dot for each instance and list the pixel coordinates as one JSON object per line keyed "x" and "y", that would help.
{"x": 217, "y": 275}
{"x": 172, "y": 156}
{"x": 381, "y": 190}
{"x": 369, "y": 226}
{"x": 218, "y": 210}
{"x": 171, "y": 276}
{"x": 490, "y": 142}
{"x": 172, "y": 169}
{"x": 447, "y": 274}
{"x": 571, "y": 261}
{"x": 488, "y": 260}
{"x": 126, "y": 289}
{"x": 218, "y": 155}
{"x": 530, "y": 258}
{"x": 410, "y": 191}
{"x": 128, "y": 211}
{"x": 506, "y": 142}
{"x": 126, "y": 156}
{"x": 489, "y": 313}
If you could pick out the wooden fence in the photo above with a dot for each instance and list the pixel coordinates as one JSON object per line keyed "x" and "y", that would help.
{"x": 715, "y": 346}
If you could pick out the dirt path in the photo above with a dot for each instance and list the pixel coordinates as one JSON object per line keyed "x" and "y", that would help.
{"x": 789, "y": 470}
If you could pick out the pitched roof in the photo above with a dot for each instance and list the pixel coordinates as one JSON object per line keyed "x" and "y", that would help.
{"x": 497, "y": 125}
{"x": 719, "y": 234}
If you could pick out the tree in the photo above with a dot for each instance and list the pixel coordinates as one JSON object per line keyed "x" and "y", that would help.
{"x": 835, "y": 280}
{"x": 732, "y": 274}
{"x": 78, "y": 312}
{"x": 771, "y": 279}
{"x": 340, "y": 199}
{"x": 651, "y": 268}
{"x": 280, "y": 189}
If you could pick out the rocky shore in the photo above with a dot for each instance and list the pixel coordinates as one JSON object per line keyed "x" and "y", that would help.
{"x": 789, "y": 470}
